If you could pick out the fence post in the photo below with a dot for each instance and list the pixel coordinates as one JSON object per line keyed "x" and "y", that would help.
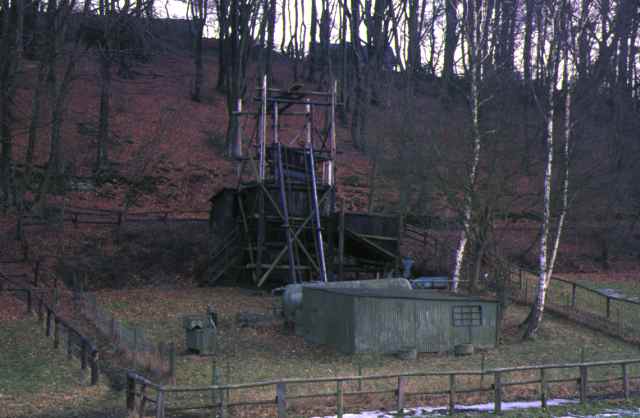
{"x": 69, "y": 343}
{"x": 172, "y": 363}
{"x": 620, "y": 326}
{"x": 56, "y": 332}
{"x": 402, "y": 384}
{"x": 543, "y": 388}
{"x": 281, "y": 399}
{"x": 160, "y": 403}
{"x": 339, "y": 399}
{"x": 29, "y": 301}
{"x": 583, "y": 384}
{"x": 608, "y": 307}
{"x": 498, "y": 392}
{"x": 573, "y": 295}
{"x": 625, "y": 381}
{"x": 83, "y": 354}
{"x": 131, "y": 393}
{"x": 94, "y": 367}
{"x": 452, "y": 393}
{"x": 36, "y": 273}
{"x": 40, "y": 310}
{"x": 223, "y": 403}
{"x": 135, "y": 347}
{"x": 48, "y": 324}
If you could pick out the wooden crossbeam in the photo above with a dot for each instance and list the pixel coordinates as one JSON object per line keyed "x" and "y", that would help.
{"x": 284, "y": 250}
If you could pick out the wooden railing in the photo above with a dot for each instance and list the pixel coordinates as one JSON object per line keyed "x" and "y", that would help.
{"x": 495, "y": 382}
{"x": 574, "y": 298}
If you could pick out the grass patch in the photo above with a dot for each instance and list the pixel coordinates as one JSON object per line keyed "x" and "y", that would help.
{"x": 38, "y": 381}
{"x": 265, "y": 353}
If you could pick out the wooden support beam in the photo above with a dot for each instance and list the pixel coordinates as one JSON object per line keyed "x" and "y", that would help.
{"x": 284, "y": 250}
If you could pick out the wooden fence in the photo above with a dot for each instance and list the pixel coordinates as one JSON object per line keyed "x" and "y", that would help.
{"x": 78, "y": 216}
{"x": 64, "y": 334}
{"x": 618, "y": 315}
{"x": 495, "y": 384}
{"x": 138, "y": 352}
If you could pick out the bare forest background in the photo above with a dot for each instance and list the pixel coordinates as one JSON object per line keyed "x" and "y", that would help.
{"x": 511, "y": 121}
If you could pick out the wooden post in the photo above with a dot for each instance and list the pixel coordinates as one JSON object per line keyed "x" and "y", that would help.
{"x": 69, "y": 343}
{"x": 48, "y": 324}
{"x": 281, "y": 399}
{"x": 341, "y": 242}
{"x": 573, "y": 295}
{"x": 452, "y": 393}
{"x": 135, "y": 347}
{"x": 543, "y": 388}
{"x": 223, "y": 403}
{"x": 526, "y": 290}
{"x": 360, "y": 375}
{"x": 583, "y": 384}
{"x": 40, "y": 310}
{"x": 56, "y": 333}
{"x": 172, "y": 363}
{"x": 520, "y": 277}
{"x": 83, "y": 354}
{"x": 94, "y": 367}
{"x": 160, "y": 403}
{"x": 402, "y": 384}
{"x": 625, "y": 381}
{"x": 143, "y": 400}
{"x": 29, "y": 301}
{"x": 608, "y": 307}
{"x": 498, "y": 392}
{"x": 620, "y": 328}
{"x": 36, "y": 274}
{"x": 339, "y": 399}
{"x": 131, "y": 392}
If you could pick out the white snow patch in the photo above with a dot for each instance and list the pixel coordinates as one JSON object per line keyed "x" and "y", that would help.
{"x": 435, "y": 411}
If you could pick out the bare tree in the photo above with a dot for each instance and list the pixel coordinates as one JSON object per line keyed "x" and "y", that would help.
{"x": 199, "y": 10}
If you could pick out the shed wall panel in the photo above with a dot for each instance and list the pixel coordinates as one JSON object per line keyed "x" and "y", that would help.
{"x": 384, "y": 325}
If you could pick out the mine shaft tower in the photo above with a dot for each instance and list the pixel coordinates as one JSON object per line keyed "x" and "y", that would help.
{"x": 280, "y": 224}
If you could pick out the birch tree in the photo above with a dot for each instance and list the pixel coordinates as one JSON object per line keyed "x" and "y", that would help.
{"x": 476, "y": 14}
{"x": 549, "y": 247}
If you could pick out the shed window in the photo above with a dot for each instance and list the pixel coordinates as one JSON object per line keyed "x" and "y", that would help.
{"x": 467, "y": 316}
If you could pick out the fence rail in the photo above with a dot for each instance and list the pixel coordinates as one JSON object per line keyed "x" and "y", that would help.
{"x": 135, "y": 350}
{"x": 496, "y": 383}
{"x": 77, "y": 216}
{"x": 616, "y": 315}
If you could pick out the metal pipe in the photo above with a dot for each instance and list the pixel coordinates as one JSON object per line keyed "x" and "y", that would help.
{"x": 314, "y": 197}
{"x": 263, "y": 131}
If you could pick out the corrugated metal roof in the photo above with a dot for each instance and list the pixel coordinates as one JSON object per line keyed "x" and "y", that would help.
{"x": 406, "y": 294}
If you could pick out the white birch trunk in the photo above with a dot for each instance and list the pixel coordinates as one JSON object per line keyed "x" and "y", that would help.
{"x": 473, "y": 33}
{"x": 546, "y": 262}
{"x": 565, "y": 184}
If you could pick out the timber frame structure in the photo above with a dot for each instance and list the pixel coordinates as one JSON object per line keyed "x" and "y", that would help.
{"x": 280, "y": 224}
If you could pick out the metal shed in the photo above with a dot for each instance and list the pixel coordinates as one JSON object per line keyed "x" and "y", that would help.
{"x": 393, "y": 320}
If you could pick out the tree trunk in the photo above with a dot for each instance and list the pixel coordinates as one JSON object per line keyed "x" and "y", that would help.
{"x": 544, "y": 274}
{"x": 199, "y": 73}
{"x": 105, "y": 111}
{"x": 450, "y": 39}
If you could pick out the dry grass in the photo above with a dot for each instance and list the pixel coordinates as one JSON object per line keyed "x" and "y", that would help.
{"x": 38, "y": 381}
{"x": 257, "y": 354}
